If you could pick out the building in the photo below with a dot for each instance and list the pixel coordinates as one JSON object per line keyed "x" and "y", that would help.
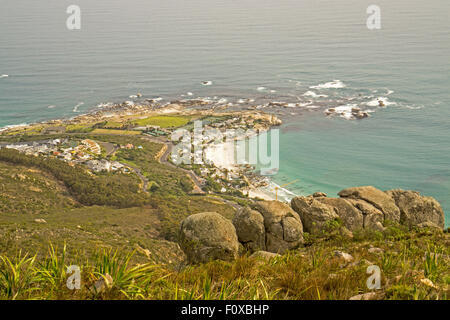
{"x": 93, "y": 146}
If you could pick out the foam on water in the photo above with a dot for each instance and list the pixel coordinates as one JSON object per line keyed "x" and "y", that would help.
{"x": 335, "y": 84}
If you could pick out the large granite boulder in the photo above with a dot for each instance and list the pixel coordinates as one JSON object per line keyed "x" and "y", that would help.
{"x": 208, "y": 236}
{"x": 315, "y": 215}
{"x": 417, "y": 210}
{"x": 375, "y": 197}
{"x": 373, "y": 218}
{"x": 284, "y": 229}
{"x": 250, "y": 229}
{"x": 351, "y": 217}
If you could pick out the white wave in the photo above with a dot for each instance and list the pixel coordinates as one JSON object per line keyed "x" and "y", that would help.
{"x": 261, "y": 88}
{"x": 51, "y": 107}
{"x": 4, "y": 76}
{"x": 133, "y": 96}
{"x": 222, "y": 101}
{"x": 75, "y": 108}
{"x": 105, "y": 105}
{"x": 273, "y": 91}
{"x": 335, "y": 84}
{"x": 314, "y": 95}
{"x": 190, "y": 94}
{"x": 380, "y": 102}
{"x": 344, "y": 111}
{"x": 414, "y": 107}
{"x": 12, "y": 126}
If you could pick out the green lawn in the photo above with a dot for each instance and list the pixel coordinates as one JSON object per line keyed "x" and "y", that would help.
{"x": 112, "y": 131}
{"x": 163, "y": 121}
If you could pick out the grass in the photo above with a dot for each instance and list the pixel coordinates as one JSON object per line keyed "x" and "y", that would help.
{"x": 119, "y": 132}
{"x": 311, "y": 273}
{"x": 163, "y": 121}
{"x": 79, "y": 128}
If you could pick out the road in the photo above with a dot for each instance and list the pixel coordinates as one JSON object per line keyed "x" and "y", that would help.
{"x": 164, "y": 160}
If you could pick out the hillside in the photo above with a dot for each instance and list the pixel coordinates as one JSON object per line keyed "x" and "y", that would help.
{"x": 116, "y": 212}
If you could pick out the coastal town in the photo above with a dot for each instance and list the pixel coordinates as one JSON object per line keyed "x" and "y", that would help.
{"x": 216, "y": 148}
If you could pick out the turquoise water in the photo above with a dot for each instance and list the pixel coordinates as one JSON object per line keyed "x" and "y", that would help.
{"x": 167, "y": 48}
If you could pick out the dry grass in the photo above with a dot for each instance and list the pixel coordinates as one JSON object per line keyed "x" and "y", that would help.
{"x": 311, "y": 273}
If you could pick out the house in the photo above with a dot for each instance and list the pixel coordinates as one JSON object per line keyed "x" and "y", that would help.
{"x": 99, "y": 165}
{"x": 92, "y": 146}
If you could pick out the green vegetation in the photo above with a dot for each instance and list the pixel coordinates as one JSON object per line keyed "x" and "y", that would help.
{"x": 84, "y": 128}
{"x": 106, "y": 189}
{"x": 30, "y": 190}
{"x": 120, "y": 132}
{"x": 307, "y": 273}
{"x": 163, "y": 121}
{"x": 53, "y": 215}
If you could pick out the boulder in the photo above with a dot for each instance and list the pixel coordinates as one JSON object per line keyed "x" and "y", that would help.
{"x": 417, "y": 210}
{"x": 343, "y": 256}
{"x": 250, "y": 229}
{"x": 350, "y": 216}
{"x": 375, "y": 197}
{"x": 313, "y": 213}
{"x": 372, "y": 217}
{"x": 208, "y": 236}
{"x": 319, "y": 195}
{"x": 284, "y": 229}
{"x": 365, "y": 296}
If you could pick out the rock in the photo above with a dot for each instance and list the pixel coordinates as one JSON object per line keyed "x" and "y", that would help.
{"x": 319, "y": 195}
{"x": 314, "y": 214}
{"x": 416, "y": 209}
{"x": 428, "y": 283}
{"x": 343, "y": 256}
{"x": 40, "y": 221}
{"x": 429, "y": 225}
{"x": 350, "y": 216}
{"x": 375, "y": 197}
{"x": 365, "y": 296}
{"x": 208, "y": 236}
{"x": 372, "y": 217}
{"x": 264, "y": 255}
{"x": 284, "y": 229}
{"x": 103, "y": 284}
{"x": 250, "y": 229}
{"x": 376, "y": 250}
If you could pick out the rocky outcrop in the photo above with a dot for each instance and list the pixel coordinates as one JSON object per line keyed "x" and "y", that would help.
{"x": 250, "y": 229}
{"x": 208, "y": 236}
{"x": 314, "y": 214}
{"x": 375, "y": 197}
{"x": 283, "y": 227}
{"x": 373, "y": 218}
{"x": 417, "y": 210}
{"x": 368, "y": 208}
{"x": 351, "y": 217}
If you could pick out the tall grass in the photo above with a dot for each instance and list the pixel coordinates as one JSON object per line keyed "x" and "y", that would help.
{"x": 308, "y": 273}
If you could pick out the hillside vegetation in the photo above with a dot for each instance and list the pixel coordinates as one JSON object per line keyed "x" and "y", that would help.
{"x": 124, "y": 239}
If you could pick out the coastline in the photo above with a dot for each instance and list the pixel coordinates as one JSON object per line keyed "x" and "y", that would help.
{"x": 220, "y": 155}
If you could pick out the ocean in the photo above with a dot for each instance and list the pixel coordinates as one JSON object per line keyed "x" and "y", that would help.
{"x": 311, "y": 55}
